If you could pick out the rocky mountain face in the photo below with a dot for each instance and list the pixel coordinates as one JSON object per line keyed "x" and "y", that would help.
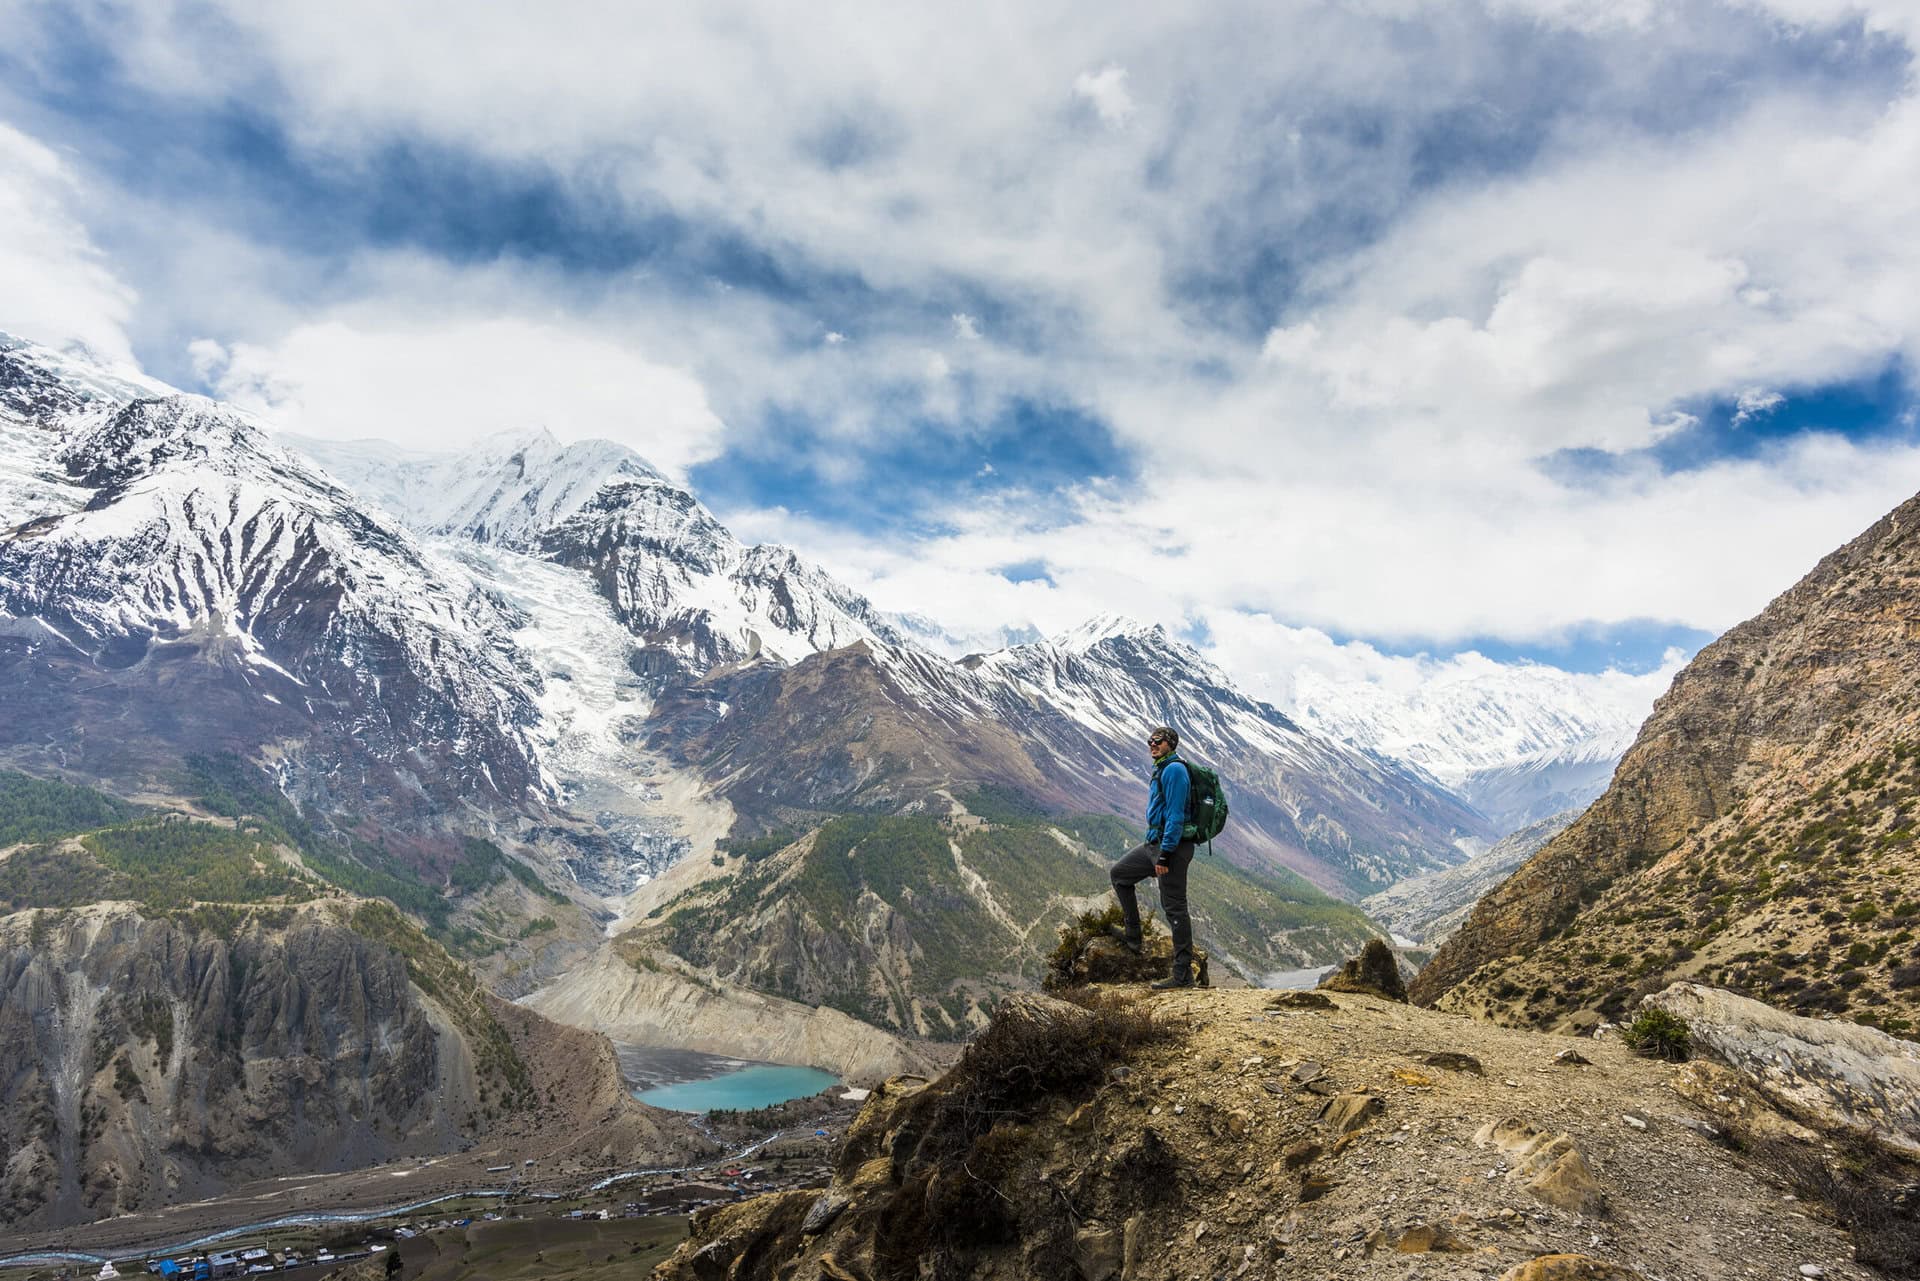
{"x": 1426, "y": 909}
{"x": 187, "y": 1006}
{"x": 191, "y": 586}
{"x": 150, "y": 1059}
{"x": 1759, "y": 834}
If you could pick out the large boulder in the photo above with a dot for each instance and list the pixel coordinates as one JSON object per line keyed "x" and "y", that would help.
{"x": 1829, "y": 1075}
{"x": 1375, "y": 972}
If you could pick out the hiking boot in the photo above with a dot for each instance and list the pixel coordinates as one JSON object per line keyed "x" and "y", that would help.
{"x": 1178, "y": 979}
{"x": 1129, "y": 941}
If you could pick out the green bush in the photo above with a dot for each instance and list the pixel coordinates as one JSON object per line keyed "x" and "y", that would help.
{"x": 1658, "y": 1034}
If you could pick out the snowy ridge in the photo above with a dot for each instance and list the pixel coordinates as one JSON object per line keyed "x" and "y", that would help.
{"x": 1519, "y": 741}
{"x": 197, "y": 530}
{"x": 45, "y": 396}
{"x": 676, "y": 576}
{"x": 673, "y": 573}
{"x": 1456, "y": 724}
{"x": 507, "y": 489}
{"x": 1116, "y": 677}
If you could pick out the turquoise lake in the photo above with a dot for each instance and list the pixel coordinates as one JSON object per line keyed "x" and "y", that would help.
{"x": 757, "y": 1086}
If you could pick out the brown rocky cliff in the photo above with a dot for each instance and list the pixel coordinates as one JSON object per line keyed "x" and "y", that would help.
{"x": 150, "y": 1059}
{"x": 1826, "y": 676}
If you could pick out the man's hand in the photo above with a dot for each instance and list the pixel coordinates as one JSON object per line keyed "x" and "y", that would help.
{"x": 1159, "y": 869}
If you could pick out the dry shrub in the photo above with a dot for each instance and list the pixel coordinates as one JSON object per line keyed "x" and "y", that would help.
{"x": 1874, "y": 1194}
{"x": 1019, "y": 1062}
{"x": 958, "y": 1144}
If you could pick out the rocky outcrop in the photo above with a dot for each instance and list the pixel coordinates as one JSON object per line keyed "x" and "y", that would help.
{"x": 1832, "y": 1076}
{"x": 1235, "y": 1140}
{"x": 1758, "y": 835}
{"x": 1376, "y": 972}
{"x": 1081, "y": 958}
{"x": 1550, "y": 1166}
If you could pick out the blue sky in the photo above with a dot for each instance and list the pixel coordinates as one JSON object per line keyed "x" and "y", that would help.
{"x": 1557, "y": 331}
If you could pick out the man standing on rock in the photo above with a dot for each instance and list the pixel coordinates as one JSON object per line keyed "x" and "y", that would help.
{"x": 1166, "y": 853}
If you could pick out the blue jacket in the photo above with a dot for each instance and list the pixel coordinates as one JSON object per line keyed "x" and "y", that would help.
{"x": 1167, "y": 803}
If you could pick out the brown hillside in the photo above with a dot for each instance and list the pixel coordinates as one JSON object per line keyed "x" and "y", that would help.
{"x": 1758, "y": 835}
{"x": 1247, "y": 1135}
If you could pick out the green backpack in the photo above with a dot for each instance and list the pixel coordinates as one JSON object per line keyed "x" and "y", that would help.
{"x": 1206, "y": 803}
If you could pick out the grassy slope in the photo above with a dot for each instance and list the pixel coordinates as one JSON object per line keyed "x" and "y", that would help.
{"x": 1812, "y": 906}
{"x": 839, "y": 903}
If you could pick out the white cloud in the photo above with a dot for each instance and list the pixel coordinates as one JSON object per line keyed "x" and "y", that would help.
{"x": 1366, "y": 461}
{"x": 55, "y": 286}
{"x": 440, "y": 384}
{"x": 1756, "y": 402}
{"x": 1106, "y": 89}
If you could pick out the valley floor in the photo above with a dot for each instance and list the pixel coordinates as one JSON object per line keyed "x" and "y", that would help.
{"x": 352, "y": 1193}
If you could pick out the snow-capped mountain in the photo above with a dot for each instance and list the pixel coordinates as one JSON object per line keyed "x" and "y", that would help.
{"x": 466, "y": 652}
{"x": 44, "y": 397}
{"x": 673, "y": 573}
{"x": 679, "y": 579}
{"x": 187, "y": 583}
{"x": 1063, "y": 723}
{"x": 1519, "y": 741}
{"x": 508, "y": 489}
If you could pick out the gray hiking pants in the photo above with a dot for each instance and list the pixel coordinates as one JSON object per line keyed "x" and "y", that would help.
{"x": 1135, "y": 866}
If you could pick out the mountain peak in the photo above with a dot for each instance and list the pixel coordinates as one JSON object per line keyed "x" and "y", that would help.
{"x": 507, "y": 488}
{"x": 150, "y": 433}
{"x": 82, "y": 371}
{"x": 1103, "y": 627}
